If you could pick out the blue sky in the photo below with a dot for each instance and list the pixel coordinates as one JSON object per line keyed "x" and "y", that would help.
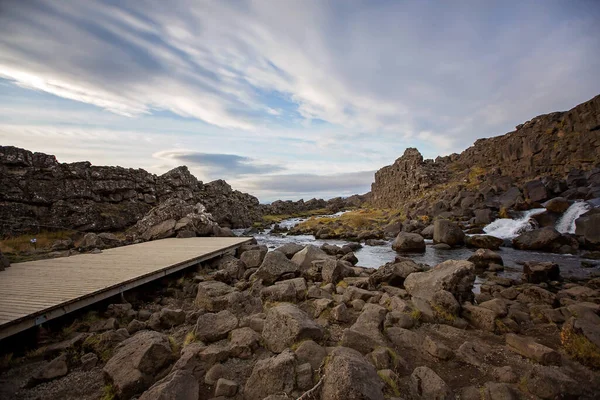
{"x": 285, "y": 99}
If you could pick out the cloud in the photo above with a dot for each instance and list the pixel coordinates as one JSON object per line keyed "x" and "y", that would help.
{"x": 219, "y": 166}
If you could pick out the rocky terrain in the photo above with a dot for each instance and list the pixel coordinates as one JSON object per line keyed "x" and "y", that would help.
{"x": 306, "y": 323}
{"x": 550, "y": 155}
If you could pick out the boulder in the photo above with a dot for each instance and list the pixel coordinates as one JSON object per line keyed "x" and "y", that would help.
{"x": 536, "y": 191}
{"x": 394, "y": 274}
{"x": 427, "y": 232}
{"x": 170, "y": 318}
{"x": 213, "y": 295}
{"x": 483, "y": 216}
{"x": 91, "y": 241}
{"x": 448, "y": 232}
{"x": 289, "y": 249}
{"x": 282, "y": 291}
{"x": 311, "y": 352}
{"x": 538, "y": 272}
{"x": 243, "y": 342}
{"x": 480, "y": 317}
{"x": 4, "y": 262}
{"x": 588, "y": 226}
{"x": 211, "y": 327}
{"x": 365, "y": 334}
{"x": 271, "y": 376}
{"x": 537, "y": 239}
{"x": 409, "y": 243}
{"x": 52, "y": 370}
{"x": 304, "y": 258}
{"x": 482, "y": 258}
{"x": 226, "y": 388}
{"x": 348, "y": 375}
{"x": 274, "y": 265}
{"x": 138, "y": 362}
{"x": 456, "y": 277}
{"x": 580, "y": 337}
{"x": 427, "y": 385}
{"x": 484, "y": 242}
{"x": 557, "y": 205}
{"x": 549, "y": 383}
{"x": 333, "y": 271}
{"x": 252, "y": 258}
{"x": 529, "y": 348}
{"x": 285, "y": 325}
{"x": 88, "y": 361}
{"x": 179, "y": 384}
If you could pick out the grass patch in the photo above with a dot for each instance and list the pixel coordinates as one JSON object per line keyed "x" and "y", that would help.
{"x": 415, "y": 315}
{"x": 391, "y": 383}
{"x": 273, "y": 219}
{"x": 579, "y": 347}
{"x": 22, "y": 243}
{"x": 109, "y": 393}
{"x": 175, "y": 347}
{"x": 443, "y": 314}
{"x": 189, "y": 338}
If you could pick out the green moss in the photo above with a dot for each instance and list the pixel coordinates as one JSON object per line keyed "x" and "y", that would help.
{"x": 189, "y": 338}
{"x": 175, "y": 347}
{"x": 415, "y": 315}
{"x": 443, "y": 314}
{"x": 109, "y": 393}
{"x": 392, "y": 385}
{"x": 579, "y": 347}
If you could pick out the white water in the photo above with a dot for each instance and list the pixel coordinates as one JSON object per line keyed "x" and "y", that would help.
{"x": 566, "y": 223}
{"x": 506, "y": 228}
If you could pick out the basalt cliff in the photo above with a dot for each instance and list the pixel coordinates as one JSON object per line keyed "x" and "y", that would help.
{"x": 552, "y": 154}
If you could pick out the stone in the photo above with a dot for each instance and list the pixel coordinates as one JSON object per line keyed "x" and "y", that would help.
{"x": 482, "y": 258}
{"x": 226, "y": 388}
{"x": 409, "y": 243}
{"x": 243, "y": 342}
{"x": 499, "y": 306}
{"x": 289, "y": 249}
{"x": 580, "y": 337}
{"x": 136, "y": 326}
{"x": 212, "y": 295}
{"x": 437, "y": 349}
{"x": 179, "y": 384}
{"x": 499, "y": 391}
{"x": 351, "y": 257}
{"x": 284, "y": 291}
{"x": 427, "y": 232}
{"x": 102, "y": 325}
{"x": 170, "y": 318}
{"x": 529, "y": 348}
{"x": 557, "y": 205}
{"x": 588, "y": 226}
{"x": 484, "y": 242}
{"x": 537, "y": 239}
{"x": 273, "y": 375}
{"x": 480, "y": 317}
{"x": 536, "y": 191}
{"x": 215, "y": 373}
{"x": 447, "y": 232}
{"x": 88, "y": 361}
{"x": 304, "y": 258}
{"x": 91, "y": 241}
{"x": 394, "y": 274}
{"x": 426, "y": 384}
{"x": 274, "y": 266}
{"x": 52, "y": 370}
{"x": 333, "y": 271}
{"x": 340, "y": 313}
{"x": 538, "y": 272}
{"x": 551, "y": 383}
{"x": 211, "y": 327}
{"x": 138, "y": 362}
{"x": 365, "y": 334}
{"x": 473, "y": 352}
{"x": 505, "y": 374}
{"x": 456, "y": 277}
{"x": 311, "y": 352}
{"x": 483, "y": 216}
{"x": 252, "y": 258}
{"x": 349, "y": 376}
{"x": 285, "y": 325}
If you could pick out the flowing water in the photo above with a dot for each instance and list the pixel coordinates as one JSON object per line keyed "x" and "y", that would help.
{"x": 375, "y": 256}
{"x": 506, "y": 228}
{"x": 566, "y": 223}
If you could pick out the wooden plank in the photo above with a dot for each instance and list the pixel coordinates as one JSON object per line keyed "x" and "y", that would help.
{"x": 57, "y": 286}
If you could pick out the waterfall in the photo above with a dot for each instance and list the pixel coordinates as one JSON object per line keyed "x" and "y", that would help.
{"x": 566, "y": 223}
{"x": 506, "y": 228}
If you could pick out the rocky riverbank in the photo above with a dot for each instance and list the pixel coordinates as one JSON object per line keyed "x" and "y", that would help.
{"x": 280, "y": 324}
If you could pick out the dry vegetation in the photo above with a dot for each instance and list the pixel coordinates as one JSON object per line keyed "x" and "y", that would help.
{"x": 22, "y": 243}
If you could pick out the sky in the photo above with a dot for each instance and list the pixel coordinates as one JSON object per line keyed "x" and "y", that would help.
{"x": 285, "y": 99}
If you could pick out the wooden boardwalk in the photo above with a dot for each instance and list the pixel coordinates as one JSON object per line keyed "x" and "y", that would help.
{"x": 37, "y": 291}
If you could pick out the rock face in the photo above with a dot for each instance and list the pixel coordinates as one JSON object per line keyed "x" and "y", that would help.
{"x": 548, "y": 145}
{"x": 36, "y": 189}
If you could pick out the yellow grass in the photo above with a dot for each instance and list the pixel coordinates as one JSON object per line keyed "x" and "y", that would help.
{"x": 45, "y": 240}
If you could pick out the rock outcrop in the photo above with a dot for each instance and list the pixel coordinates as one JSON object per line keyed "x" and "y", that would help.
{"x": 38, "y": 191}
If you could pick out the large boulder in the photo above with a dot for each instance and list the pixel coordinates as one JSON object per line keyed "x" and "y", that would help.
{"x": 545, "y": 239}
{"x": 180, "y": 384}
{"x": 138, "y": 362}
{"x": 445, "y": 231}
{"x": 536, "y": 191}
{"x": 274, "y": 265}
{"x": 175, "y": 217}
{"x": 409, "y": 243}
{"x": 394, "y": 274}
{"x": 482, "y": 258}
{"x": 538, "y": 272}
{"x": 213, "y": 295}
{"x": 270, "y": 376}
{"x": 557, "y": 205}
{"x": 211, "y": 327}
{"x": 349, "y": 376}
{"x": 365, "y": 334}
{"x": 427, "y": 385}
{"x": 304, "y": 258}
{"x": 588, "y": 226}
{"x": 456, "y": 277}
{"x": 289, "y": 249}
{"x": 285, "y": 325}
{"x": 483, "y": 242}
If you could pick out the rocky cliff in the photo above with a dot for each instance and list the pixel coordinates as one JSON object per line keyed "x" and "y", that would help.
{"x": 37, "y": 190}
{"x": 553, "y": 146}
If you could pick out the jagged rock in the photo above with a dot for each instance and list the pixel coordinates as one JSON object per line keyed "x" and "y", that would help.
{"x": 271, "y": 376}
{"x": 52, "y": 370}
{"x": 394, "y": 274}
{"x": 483, "y": 216}
{"x": 437, "y": 349}
{"x": 348, "y": 375}
{"x": 447, "y": 232}
{"x": 550, "y": 383}
{"x": 340, "y": 313}
{"x": 546, "y": 239}
{"x": 304, "y": 376}
{"x": 88, "y": 361}
{"x": 538, "y": 272}
{"x": 588, "y": 226}
{"x": 252, "y": 258}
{"x": 473, "y": 352}
{"x": 243, "y": 342}
{"x": 104, "y": 325}
{"x": 456, "y": 277}
{"x": 91, "y": 241}
{"x": 289, "y": 249}
{"x": 169, "y": 318}
{"x": 409, "y": 242}
{"x": 483, "y": 242}
{"x": 365, "y": 334}
{"x": 285, "y": 325}
{"x": 213, "y": 295}
{"x": 536, "y": 191}
{"x": 581, "y": 338}
{"x": 226, "y": 388}
{"x": 211, "y": 327}
{"x": 304, "y": 258}
{"x": 4, "y": 262}
{"x": 283, "y": 291}
{"x": 173, "y": 216}
{"x": 480, "y": 317}
{"x": 136, "y": 326}
{"x": 482, "y": 258}
{"x": 333, "y": 271}
{"x": 311, "y": 352}
{"x": 274, "y": 265}
{"x": 179, "y": 384}
{"x": 529, "y": 348}
{"x": 137, "y": 363}
{"x": 426, "y": 384}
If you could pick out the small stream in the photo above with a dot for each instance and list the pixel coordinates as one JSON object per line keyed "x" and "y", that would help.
{"x": 375, "y": 256}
